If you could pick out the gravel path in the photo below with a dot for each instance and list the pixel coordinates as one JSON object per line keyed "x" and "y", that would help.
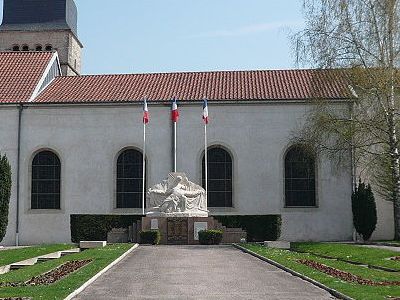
{"x": 198, "y": 272}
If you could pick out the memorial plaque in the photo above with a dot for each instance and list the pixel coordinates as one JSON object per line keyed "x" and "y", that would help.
{"x": 199, "y": 226}
{"x": 154, "y": 224}
{"x": 177, "y": 231}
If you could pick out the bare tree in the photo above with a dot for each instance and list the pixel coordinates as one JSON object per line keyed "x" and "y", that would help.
{"x": 359, "y": 39}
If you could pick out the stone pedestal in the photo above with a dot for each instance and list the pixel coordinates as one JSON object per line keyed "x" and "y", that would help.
{"x": 277, "y": 244}
{"x": 183, "y": 231}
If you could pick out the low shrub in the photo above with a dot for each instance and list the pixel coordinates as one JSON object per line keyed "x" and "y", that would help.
{"x": 259, "y": 228}
{"x": 96, "y": 227}
{"x": 150, "y": 237}
{"x": 210, "y": 237}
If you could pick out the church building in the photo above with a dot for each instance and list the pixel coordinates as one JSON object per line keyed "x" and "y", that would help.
{"x": 75, "y": 142}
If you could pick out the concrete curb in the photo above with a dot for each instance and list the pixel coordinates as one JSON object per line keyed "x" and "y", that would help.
{"x": 91, "y": 280}
{"x": 333, "y": 292}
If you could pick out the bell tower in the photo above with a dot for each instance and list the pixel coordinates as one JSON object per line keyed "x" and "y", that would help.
{"x": 43, "y": 25}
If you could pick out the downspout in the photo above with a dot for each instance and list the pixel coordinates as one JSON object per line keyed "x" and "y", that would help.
{"x": 20, "y": 109}
{"x": 353, "y": 167}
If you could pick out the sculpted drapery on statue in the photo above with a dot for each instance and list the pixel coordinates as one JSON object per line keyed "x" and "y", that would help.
{"x": 177, "y": 197}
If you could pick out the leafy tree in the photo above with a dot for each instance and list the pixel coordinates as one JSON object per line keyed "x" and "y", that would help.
{"x": 359, "y": 41}
{"x": 364, "y": 210}
{"x": 5, "y": 193}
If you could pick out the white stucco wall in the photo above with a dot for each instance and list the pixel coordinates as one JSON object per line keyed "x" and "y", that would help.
{"x": 89, "y": 138}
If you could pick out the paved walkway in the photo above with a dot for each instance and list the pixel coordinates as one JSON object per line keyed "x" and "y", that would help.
{"x": 198, "y": 272}
{"x": 391, "y": 248}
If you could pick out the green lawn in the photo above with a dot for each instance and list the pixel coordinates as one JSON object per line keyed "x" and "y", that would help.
{"x": 360, "y": 254}
{"x": 10, "y": 256}
{"x": 354, "y": 290}
{"x": 101, "y": 257}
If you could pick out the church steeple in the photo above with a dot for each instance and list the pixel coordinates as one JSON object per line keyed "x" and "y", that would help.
{"x": 43, "y": 25}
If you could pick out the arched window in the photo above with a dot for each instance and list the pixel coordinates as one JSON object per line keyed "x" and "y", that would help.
{"x": 46, "y": 181}
{"x": 25, "y": 48}
{"x": 39, "y": 48}
{"x": 49, "y": 47}
{"x": 15, "y": 48}
{"x": 299, "y": 177}
{"x": 219, "y": 177}
{"x": 129, "y": 179}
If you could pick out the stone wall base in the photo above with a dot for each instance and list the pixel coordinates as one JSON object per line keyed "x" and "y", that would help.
{"x": 184, "y": 230}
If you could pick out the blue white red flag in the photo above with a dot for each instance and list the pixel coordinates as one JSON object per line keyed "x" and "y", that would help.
{"x": 205, "y": 111}
{"x": 174, "y": 111}
{"x": 146, "y": 116}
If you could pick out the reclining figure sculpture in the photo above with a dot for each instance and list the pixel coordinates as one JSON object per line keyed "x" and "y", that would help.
{"x": 177, "y": 197}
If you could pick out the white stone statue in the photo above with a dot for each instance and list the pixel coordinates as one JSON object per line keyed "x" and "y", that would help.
{"x": 177, "y": 197}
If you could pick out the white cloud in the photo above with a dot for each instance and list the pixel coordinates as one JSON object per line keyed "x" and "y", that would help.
{"x": 248, "y": 30}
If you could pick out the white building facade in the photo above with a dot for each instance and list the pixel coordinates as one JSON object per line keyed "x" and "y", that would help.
{"x": 88, "y": 139}
{"x": 75, "y": 142}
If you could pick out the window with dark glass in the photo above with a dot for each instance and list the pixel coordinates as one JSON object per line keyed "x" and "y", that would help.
{"x": 49, "y": 48}
{"x": 15, "y": 48}
{"x": 39, "y": 48}
{"x": 25, "y": 48}
{"x": 219, "y": 177}
{"x": 46, "y": 180}
{"x": 130, "y": 179}
{"x": 299, "y": 177}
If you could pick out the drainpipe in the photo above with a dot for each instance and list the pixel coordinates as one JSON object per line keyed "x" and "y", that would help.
{"x": 20, "y": 108}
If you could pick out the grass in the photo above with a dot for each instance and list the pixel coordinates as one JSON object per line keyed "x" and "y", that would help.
{"x": 360, "y": 254}
{"x": 354, "y": 290}
{"x": 14, "y": 255}
{"x": 101, "y": 258}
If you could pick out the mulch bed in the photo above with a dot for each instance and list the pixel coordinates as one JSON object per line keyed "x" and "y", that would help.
{"x": 16, "y": 298}
{"x": 51, "y": 276}
{"x": 346, "y": 276}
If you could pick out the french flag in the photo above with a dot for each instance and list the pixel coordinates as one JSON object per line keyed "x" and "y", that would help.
{"x": 205, "y": 111}
{"x": 146, "y": 116}
{"x": 174, "y": 112}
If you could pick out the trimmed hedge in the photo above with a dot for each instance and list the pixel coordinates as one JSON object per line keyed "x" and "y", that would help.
{"x": 259, "y": 228}
{"x": 210, "y": 237}
{"x": 96, "y": 227}
{"x": 5, "y": 193}
{"x": 150, "y": 237}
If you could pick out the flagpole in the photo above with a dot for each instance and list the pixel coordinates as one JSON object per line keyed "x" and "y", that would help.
{"x": 205, "y": 158}
{"x": 174, "y": 146}
{"x": 144, "y": 168}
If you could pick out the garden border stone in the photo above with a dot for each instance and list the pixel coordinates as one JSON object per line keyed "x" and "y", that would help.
{"x": 91, "y": 280}
{"x": 333, "y": 292}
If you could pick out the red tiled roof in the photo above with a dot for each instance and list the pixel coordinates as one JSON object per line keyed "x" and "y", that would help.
{"x": 20, "y": 73}
{"x": 224, "y": 85}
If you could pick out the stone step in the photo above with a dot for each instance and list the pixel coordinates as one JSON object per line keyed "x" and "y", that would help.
{"x": 34, "y": 260}
{"x": 50, "y": 256}
{"x": 70, "y": 251}
{"x": 4, "y": 269}
{"x": 24, "y": 263}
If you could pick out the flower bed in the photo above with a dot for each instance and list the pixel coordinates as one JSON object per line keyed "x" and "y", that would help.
{"x": 51, "y": 276}
{"x": 345, "y": 276}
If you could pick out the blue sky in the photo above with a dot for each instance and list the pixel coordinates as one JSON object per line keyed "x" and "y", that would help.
{"x": 141, "y": 36}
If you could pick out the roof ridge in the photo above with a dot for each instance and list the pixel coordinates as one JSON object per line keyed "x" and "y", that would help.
{"x": 200, "y": 72}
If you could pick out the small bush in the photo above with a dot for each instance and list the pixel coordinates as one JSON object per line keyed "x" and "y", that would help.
{"x": 150, "y": 237}
{"x": 210, "y": 237}
{"x": 364, "y": 210}
{"x": 5, "y": 193}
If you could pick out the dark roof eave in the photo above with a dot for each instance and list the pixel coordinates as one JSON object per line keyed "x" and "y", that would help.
{"x": 167, "y": 102}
